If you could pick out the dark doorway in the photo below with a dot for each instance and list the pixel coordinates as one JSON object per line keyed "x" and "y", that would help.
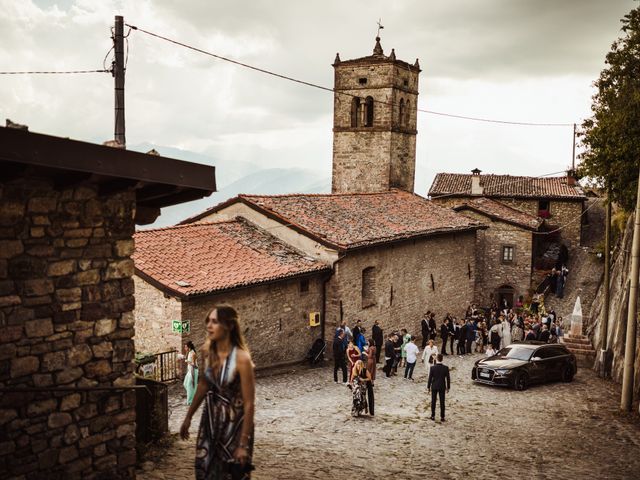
{"x": 505, "y": 295}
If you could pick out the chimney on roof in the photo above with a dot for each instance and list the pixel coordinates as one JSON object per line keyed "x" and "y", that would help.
{"x": 571, "y": 178}
{"x": 476, "y": 189}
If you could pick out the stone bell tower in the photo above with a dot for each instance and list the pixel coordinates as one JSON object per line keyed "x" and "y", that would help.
{"x": 374, "y": 123}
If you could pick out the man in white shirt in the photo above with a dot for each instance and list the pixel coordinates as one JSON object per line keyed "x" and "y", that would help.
{"x": 412, "y": 356}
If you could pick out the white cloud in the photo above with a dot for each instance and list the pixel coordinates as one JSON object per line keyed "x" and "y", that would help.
{"x": 516, "y": 60}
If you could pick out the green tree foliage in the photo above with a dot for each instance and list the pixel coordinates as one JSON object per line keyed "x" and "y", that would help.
{"x": 611, "y": 137}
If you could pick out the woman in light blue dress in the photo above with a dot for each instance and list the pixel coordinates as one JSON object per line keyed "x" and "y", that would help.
{"x": 191, "y": 378}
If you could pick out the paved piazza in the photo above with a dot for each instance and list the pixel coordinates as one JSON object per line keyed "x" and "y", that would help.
{"x": 304, "y": 430}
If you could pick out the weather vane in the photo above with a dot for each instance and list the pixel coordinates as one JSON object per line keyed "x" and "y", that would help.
{"x": 380, "y": 27}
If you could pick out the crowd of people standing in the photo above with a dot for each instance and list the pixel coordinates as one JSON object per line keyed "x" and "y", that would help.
{"x": 480, "y": 331}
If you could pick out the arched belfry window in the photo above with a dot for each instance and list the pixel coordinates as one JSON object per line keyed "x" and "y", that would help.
{"x": 355, "y": 112}
{"x": 368, "y": 112}
{"x": 407, "y": 114}
{"x": 401, "y": 112}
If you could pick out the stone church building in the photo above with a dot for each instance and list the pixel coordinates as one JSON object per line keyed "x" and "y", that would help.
{"x": 390, "y": 254}
{"x": 371, "y": 250}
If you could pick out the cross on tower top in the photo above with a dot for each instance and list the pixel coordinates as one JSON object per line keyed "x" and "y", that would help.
{"x": 380, "y": 27}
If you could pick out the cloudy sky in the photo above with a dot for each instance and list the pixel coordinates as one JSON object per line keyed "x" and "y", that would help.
{"x": 521, "y": 60}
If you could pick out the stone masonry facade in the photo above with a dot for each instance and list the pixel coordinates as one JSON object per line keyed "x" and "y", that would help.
{"x": 493, "y": 271}
{"x": 563, "y": 213}
{"x": 154, "y": 313}
{"x": 274, "y": 318}
{"x": 66, "y": 296}
{"x": 435, "y": 273}
{"x": 374, "y": 144}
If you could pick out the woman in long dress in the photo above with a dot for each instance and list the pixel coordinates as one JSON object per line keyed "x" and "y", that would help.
{"x": 361, "y": 388}
{"x": 191, "y": 378}
{"x": 224, "y": 446}
{"x": 517, "y": 331}
{"x": 506, "y": 333}
{"x": 371, "y": 360}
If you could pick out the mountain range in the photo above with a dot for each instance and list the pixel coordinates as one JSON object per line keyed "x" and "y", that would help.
{"x": 235, "y": 177}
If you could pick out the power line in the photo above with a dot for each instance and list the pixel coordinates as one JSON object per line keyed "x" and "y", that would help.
{"x": 55, "y": 72}
{"x": 327, "y": 89}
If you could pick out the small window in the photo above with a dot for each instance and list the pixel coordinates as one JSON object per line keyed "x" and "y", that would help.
{"x": 544, "y": 208}
{"x": 304, "y": 285}
{"x": 362, "y": 81}
{"x": 368, "y": 112}
{"x": 507, "y": 254}
{"x": 406, "y": 83}
{"x": 368, "y": 287}
{"x": 401, "y": 113}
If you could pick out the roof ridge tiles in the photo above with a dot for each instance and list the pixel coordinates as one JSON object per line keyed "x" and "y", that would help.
{"x": 193, "y": 225}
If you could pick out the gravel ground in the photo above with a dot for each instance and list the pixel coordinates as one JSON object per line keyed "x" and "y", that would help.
{"x": 304, "y": 431}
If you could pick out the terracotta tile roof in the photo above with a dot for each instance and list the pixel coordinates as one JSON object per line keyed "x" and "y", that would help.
{"x": 354, "y": 220}
{"x": 500, "y": 211}
{"x": 459, "y": 184}
{"x": 205, "y": 258}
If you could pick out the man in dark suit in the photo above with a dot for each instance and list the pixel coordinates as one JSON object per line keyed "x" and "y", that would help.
{"x": 424, "y": 328}
{"x": 444, "y": 334}
{"x": 339, "y": 359}
{"x": 389, "y": 355}
{"x": 378, "y": 339}
{"x": 432, "y": 327}
{"x": 439, "y": 383}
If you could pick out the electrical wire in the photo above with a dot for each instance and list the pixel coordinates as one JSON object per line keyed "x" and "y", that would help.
{"x": 327, "y": 89}
{"x": 561, "y": 227}
{"x": 58, "y": 72}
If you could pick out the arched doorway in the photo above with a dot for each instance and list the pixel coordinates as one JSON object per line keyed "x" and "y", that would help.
{"x": 505, "y": 295}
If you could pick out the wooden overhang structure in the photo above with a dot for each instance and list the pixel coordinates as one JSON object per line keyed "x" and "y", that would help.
{"x": 157, "y": 181}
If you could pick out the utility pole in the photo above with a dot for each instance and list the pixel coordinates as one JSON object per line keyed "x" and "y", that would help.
{"x": 573, "y": 153}
{"x": 604, "y": 351}
{"x": 630, "y": 343}
{"x": 118, "y": 75}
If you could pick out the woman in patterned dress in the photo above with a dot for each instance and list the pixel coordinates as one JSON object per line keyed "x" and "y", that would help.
{"x": 225, "y": 438}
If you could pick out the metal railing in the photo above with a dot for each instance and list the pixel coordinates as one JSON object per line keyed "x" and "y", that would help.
{"x": 167, "y": 366}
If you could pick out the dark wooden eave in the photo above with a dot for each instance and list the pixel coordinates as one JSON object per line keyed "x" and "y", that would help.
{"x": 158, "y": 181}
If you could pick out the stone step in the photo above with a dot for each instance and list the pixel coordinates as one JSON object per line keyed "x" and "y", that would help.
{"x": 585, "y": 360}
{"x": 575, "y": 341}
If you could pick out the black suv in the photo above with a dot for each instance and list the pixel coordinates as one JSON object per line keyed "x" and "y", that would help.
{"x": 523, "y": 363}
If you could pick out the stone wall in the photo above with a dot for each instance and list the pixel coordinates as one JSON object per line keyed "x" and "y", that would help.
{"x": 66, "y": 296}
{"x": 565, "y": 214}
{"x": 154, "y": 314}
{"x": 274, "y": 318}
{"x": 493, "y": 272}
{"x": 436, "y": 273}
{"x": 618, "y": 310}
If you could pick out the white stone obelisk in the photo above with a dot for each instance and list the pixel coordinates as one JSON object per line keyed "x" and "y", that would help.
{"x": 576, "y": 319}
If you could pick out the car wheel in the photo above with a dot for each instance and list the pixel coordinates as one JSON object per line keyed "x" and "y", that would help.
{"x": 567, "y": 374}
{"x": 521, "y": 382}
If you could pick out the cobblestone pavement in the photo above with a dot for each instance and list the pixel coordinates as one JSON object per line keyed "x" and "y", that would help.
{"x": 304, "y": 431}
